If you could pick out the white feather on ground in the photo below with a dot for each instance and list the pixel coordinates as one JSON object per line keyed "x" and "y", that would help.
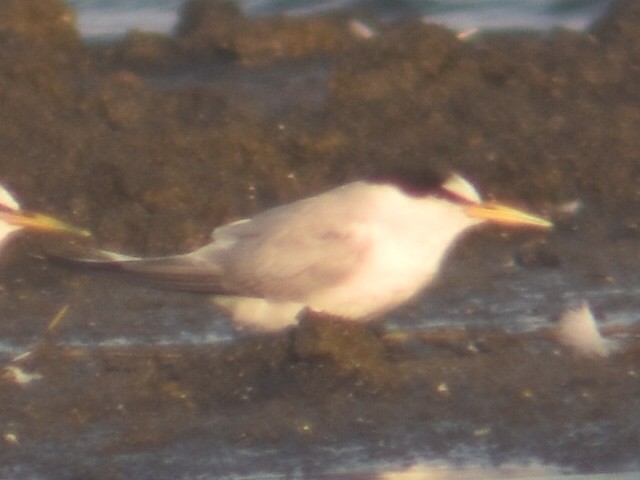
{"x": 578, "y": 330}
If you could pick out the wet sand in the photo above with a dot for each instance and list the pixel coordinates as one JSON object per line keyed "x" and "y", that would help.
{"x": 152, "y": 141}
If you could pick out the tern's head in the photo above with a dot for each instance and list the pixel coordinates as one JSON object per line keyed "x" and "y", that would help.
{"x": 458, "y": 190}
{"x": 14, "y": 219}
{"x": 450, "y": 204}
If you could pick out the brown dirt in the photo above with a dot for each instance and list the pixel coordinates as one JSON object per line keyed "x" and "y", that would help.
{"x": 153, "y": 140}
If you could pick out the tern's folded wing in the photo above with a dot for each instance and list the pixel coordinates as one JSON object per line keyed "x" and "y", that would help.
{"x": 292, "y": 265}
{"x": 289, "y": 252}
{"x": 285, "y": 266}
{"x": 180, "y": 272}
{"x": 286, "y": 253}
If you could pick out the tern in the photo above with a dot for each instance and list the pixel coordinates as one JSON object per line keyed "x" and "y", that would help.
{"x": 13, "y": 220}
{"x": 354, "y": 252}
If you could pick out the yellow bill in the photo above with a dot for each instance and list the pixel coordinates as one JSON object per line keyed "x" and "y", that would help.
{"x": 39, "y": 222}
{"x": 501, "y": 214}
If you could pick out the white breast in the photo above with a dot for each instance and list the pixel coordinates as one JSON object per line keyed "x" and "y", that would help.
{"x": 409, "y": 238}
{"x": 404, "y": 240}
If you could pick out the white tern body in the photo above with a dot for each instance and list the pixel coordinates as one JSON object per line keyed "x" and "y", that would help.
{"x": 355, "y": 252}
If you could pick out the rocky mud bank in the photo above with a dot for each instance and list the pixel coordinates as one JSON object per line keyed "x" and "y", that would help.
{"x": 151, "y": 141}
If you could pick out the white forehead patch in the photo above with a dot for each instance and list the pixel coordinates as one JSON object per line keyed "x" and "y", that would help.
{"x": 460, "y": 187}
{"x": 7, "y": 200}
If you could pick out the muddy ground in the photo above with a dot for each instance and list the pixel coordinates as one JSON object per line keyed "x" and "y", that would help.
{"x": 152, "y": 141}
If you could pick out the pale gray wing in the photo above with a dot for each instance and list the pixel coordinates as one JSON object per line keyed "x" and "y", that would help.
{"x": 289, "y": 251}
{"x": 180, "y": 272}
{"x": 283, "y": 253}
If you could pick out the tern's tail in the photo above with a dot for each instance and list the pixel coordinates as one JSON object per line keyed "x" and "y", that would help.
{"x": 180, "y": 272}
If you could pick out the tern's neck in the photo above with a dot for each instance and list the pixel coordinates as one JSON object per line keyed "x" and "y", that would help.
{"x": 430, "y": 224}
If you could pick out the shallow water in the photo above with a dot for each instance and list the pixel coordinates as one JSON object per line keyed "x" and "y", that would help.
{"x": 109, "y": 18}
{"x": 487, "y": 289}
{"x": 113, "y": 332}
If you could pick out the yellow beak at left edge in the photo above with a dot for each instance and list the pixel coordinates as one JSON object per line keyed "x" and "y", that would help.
{"x": 40, "y": 222}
